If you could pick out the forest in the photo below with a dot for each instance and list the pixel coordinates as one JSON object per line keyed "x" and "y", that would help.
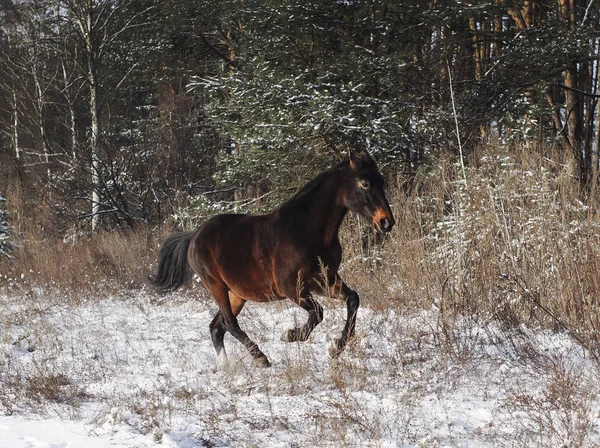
{"x": 118, "y": 113}
{"x": 122, "y": 121}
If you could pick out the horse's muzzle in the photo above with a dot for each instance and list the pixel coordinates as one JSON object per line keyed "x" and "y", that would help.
{"x": 386, "y": 225}
{"x": 383, "y": 221}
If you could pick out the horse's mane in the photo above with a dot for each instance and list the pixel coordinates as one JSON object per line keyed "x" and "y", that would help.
{"x": 314, "y": 184}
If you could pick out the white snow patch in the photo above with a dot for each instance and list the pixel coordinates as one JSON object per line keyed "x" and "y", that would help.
{"x": 129, "y": 371}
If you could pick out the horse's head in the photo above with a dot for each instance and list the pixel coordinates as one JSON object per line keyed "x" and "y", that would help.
{"x": 365, "y": 192}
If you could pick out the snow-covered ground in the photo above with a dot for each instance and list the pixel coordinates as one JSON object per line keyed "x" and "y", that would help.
{"x": 134, "y": 370}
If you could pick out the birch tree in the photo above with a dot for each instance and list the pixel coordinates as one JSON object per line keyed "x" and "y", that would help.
{"x": 11, "y": 83}
{"x": 97, "y": 26}
{"x": 27, "y": 79}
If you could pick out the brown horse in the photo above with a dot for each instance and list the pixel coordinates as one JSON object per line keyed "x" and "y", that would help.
{"x": 281, "y": 254}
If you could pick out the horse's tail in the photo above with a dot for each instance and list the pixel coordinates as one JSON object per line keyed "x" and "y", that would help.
{"x": 173, "y": 266}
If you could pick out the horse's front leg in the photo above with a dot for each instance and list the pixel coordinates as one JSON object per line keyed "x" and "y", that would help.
{"x": 341, "y": 291}
{"x": 315, "y": 316}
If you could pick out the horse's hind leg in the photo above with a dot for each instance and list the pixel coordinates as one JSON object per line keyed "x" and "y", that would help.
{"x": 217, "y": 333}
{"x": 341, "y": 291}
{"x": 315, "y": 316}
{"x": 230, "y": 306}
{"x": 218, "y": 328}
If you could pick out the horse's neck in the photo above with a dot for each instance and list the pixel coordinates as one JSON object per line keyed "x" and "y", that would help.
{"x": 332, "y": 227}
{"x": 326, "y": 210}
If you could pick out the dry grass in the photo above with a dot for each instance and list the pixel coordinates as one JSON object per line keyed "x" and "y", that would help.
{"x": 516, "y": 244}
{"x": 113, "y": 260}
{"x": 562, "y": 414}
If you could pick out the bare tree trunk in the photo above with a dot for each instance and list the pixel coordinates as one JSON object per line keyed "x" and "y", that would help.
{"x": 551, "y": 95}
{"x": 72, "y": 117}
{"x": 595, "y": 149}
{"x": 94, "y": 147}
{"x": 476, "y": 49}
{"x": 588, "y": 84}
{"x": 497, "y": 46}
{"x": 40, "y": 104}
{"x": 573, "y": 97}
{"x": 86, "y": 22}
{"x": 15, "y": 129}
{"x": 573, "y": 104}
{"x": 73, "y": 127}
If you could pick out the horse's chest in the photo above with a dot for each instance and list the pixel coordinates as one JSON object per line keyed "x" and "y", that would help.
{"x": 331, "y": 257}
{"x": 314, "y": 263}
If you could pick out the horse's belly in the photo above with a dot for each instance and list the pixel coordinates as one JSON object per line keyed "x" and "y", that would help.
{"x": 251, "y": 283}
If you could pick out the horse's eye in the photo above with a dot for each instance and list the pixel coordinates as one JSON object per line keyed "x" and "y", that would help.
{"x": 364, "y": 184}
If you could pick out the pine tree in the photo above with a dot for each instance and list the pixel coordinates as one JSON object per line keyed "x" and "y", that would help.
{"x": 304, "y": 84}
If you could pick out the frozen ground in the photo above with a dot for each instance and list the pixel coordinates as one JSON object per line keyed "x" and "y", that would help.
{"x": 132, "y": 371}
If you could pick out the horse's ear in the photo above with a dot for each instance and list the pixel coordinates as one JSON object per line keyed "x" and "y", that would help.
{"x": 355, "y": 160}
{"x": 358, "y": 160}
{"x": 365, "y": 156}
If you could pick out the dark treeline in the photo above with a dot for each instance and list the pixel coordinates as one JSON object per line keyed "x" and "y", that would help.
{"x": 115, "y": 112}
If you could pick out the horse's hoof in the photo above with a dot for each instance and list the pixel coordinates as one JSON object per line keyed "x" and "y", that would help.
{"x": 336, "y": 348}
{"x": 263, "y": 362}
{"x": 222, "y": 360}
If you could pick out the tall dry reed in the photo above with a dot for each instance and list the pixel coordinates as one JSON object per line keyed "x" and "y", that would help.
{"x": 515, "y": 244}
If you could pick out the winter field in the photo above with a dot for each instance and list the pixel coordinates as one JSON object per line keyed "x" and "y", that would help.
{"x": 132, "y": 370}
{"x": 479, "y": 327}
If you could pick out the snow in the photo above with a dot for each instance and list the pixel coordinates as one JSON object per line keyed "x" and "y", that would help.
{"x": 22, "y": 432}
{"x": 134, "y": 370}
